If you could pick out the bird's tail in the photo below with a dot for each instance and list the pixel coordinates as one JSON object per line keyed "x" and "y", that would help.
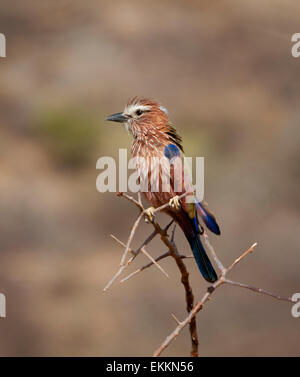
{"x": 201, "y": 258}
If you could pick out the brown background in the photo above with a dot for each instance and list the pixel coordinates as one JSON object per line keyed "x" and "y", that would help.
{"x": 225, "y": 72}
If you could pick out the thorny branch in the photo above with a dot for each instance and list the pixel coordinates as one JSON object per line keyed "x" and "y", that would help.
{"x": 173, "y": 252}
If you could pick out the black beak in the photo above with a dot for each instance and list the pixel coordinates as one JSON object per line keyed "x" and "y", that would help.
{"x": 118, "y": 117}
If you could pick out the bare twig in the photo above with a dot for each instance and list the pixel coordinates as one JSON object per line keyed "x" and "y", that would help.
{"x": 127, "y": 249}
{"x": 142, "y": 249}
{"x": 175, "y": 319}
{"x": 117, "y": 274}
{"x": 250, "y": 250}
{"x": 133, "y": 230}
{"x": 173, "y": 233}
{"x": 165, "y": 255}
{"x": 174, "y": 253}
{"x": 166, "y": 205}
{"x": 140, "y": 206}
{"x": 213, "y": 253}
{"x": 189, "y": 297}
{"x": 222, "y": 280}
{"x": 154, "y": 262}
{"x": 258, "y": 290}
{"x": 178, "y": 258}
{"x": 147, "y": 240}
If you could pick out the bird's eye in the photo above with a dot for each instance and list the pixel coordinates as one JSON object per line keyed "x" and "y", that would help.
{"x": 139, "y": 112}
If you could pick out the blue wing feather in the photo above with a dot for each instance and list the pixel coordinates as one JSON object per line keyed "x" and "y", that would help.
{"x": 208, "y": 218}
{"x": 171, "y": 151}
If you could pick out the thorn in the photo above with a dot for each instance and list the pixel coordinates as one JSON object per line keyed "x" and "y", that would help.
{"x": 173, "y": 233}
{"x": 175, "y": 319}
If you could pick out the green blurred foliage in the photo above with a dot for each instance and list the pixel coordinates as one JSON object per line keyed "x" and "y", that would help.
{"x": 70, "y": 135}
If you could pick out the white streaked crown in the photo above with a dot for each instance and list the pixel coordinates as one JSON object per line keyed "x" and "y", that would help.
{"x": 131, "y": 109}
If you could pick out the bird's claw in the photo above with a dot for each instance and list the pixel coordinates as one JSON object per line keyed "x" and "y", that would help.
{"x": 149, "y": 212}
{"x": 174, "y": 203}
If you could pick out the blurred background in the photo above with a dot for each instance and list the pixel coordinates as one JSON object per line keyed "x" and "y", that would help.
{"x": 224, "y": 70}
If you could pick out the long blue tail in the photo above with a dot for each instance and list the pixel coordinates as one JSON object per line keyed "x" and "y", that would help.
{"x": 201, "y": 258}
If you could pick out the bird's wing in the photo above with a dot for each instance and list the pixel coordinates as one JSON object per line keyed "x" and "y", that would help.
{"x": 208, "y": 217}
{"x": 180, "y": 178}
{"x": 181, "y": 181}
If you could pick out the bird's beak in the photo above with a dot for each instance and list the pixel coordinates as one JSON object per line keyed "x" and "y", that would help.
{"x": 118, "y": 117}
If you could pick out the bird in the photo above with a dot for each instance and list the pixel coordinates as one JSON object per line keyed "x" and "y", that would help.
{"x": 155, "y": 138}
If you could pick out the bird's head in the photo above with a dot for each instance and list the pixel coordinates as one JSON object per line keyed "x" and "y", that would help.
{"x": 141, "y": 114}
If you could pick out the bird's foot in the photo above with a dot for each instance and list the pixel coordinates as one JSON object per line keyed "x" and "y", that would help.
{"x": 174, "y": 203}
{"x": 149, "y": 212}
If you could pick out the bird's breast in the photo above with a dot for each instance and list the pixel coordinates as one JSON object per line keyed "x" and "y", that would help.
{"x": 152, "y": 166}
